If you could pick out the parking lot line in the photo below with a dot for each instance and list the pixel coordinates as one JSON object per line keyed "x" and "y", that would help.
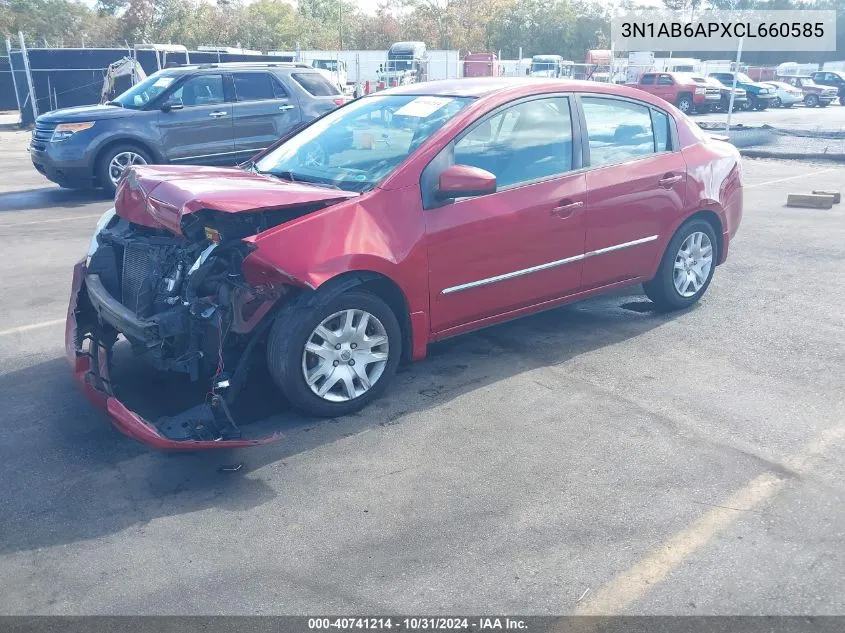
{"x": 32, "y": 326}
{"x": 633, "y": 584}
{"x": 68, "y": 219}
{"x": 774, "y": 182}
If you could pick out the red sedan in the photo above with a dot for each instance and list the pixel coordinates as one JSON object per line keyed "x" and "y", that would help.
{"x": 399, "y": 219}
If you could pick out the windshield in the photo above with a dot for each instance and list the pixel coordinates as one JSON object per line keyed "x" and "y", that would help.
{"x": 141, "y": 94}
{"x": 325, "y": 64}
{"x": 357, "y": 146}
{"x": 399, "y": 64}
{"x": 542, "y": 66}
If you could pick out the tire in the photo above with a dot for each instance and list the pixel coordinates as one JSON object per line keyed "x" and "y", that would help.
{"x": 288, "y": 361}
{"x": 104, "y": 170}
{"x": 811, "y": 101}
{"x": 685, "y": 104}
{"x": 777, "y": 103}
{"x": 662, "y": 289}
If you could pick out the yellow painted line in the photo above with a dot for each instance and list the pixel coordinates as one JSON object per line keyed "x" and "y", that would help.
{"x": 774, "y": 182}
{"x": 631, "y": 585}
{"x": 33, "y": 326}
{"x": 70, "y": 219}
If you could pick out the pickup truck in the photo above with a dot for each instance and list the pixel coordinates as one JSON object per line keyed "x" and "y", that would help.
{"x": 760, "y": 96}
{"x": 681, "y": 90}
{"x": 814, "y": 94}
{"x": 834, "y": 79}
{"x": 740, "y": 98}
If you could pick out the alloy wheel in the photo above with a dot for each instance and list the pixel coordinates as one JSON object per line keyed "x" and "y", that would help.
{"x": 693, "y": 263}
{"x": 345, "y": 355}
{"x": 121, "y": 161}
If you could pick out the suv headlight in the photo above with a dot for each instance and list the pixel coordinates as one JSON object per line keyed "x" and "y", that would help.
{"x": 64, "y": 131}
{"x": 102, "y": 223}
{"x": 700, "y": 91}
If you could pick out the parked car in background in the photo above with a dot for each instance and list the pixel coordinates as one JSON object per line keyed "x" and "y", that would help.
{"x": 785, "y": 95}
{"x": 760, "y": 96}
{"x": 814, "y": 94}
{"x": 740, "y": 99}
{"x": 212, "y": 114}
{"x": 354, "y": 243}
{"x": 681, "y": 90}
{"x": 833, "y": 78}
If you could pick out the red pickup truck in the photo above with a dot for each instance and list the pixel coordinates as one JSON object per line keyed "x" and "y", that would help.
{"x": 681, "y": 90}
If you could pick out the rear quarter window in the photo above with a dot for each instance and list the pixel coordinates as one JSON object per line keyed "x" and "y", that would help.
{"x": 315, "y": 84}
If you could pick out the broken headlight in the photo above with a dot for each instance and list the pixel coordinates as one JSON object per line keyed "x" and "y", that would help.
{"x": 102, "y": 223}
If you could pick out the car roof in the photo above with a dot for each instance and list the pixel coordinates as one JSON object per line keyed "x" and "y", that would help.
{"x": 486, "y": 86}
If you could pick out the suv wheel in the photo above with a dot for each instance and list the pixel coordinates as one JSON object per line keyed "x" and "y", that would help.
{"x": 332, "y": 355}
{"x": 811, "y": 101}
{"x": 114, "y": 162}
{"x": 686, "y": 268}
{"x": 685, "y": 104}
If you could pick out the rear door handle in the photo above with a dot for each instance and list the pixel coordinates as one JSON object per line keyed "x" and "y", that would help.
{"x": 669, "y": 180}
{"x": 566, "y": 208}
{"x": 217, "y": 114}
{"x": 285, "y": 108}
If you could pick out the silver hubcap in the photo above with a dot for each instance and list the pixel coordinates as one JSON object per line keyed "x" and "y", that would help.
{"x": 121, "y": 161}
{"x": 693, "y": 263}
{"x": 684, "y": 105}
{"x": 345, "y": 355}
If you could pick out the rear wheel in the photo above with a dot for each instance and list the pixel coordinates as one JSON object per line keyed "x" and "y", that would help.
{"x": 333, "y": 355}
{"x": 115, "y": 160}
{"x": 686, "y": 268}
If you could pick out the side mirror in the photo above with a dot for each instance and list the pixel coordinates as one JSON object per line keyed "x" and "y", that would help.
{"x": 461, "y": 181}
{"x": 172, "y": 104}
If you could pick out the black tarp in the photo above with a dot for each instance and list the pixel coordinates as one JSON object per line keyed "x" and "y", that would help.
{"x": 66, "y": 77}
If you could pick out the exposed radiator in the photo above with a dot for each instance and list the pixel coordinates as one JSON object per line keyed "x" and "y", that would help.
{"x": 138, "y": 275}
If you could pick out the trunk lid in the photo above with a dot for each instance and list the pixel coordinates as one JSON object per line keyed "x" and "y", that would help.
{"x": 159, "y": 196}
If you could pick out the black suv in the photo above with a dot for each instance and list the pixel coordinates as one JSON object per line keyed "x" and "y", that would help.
{"x": 212, "y": 114}
{"x": 834, "y": 78}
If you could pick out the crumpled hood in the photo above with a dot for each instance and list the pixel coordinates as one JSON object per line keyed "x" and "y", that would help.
{"x": 160, "y": 196}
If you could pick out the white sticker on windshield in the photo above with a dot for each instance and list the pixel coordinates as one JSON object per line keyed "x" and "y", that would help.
{"x": 163, "y": 82}
{"x": 423, "y": 106}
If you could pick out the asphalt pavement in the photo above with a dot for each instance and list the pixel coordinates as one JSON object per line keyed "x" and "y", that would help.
{"x": 597, "y": 458}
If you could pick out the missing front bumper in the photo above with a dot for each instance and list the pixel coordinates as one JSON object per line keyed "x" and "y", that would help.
{"x": 89, "y": 360}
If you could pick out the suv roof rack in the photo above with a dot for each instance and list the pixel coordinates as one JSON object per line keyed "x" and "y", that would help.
{"x": 252, "y": 65}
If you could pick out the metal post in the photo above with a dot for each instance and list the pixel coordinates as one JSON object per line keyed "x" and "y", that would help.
{"x": 14, "y": 81}
{"x": 733, "y": 87}
{"x": 28, "y": 72}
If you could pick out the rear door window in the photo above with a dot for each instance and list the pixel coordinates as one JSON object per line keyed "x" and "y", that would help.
{"x": 618, "y": 131}
{"x": 253, "y": 86}
{"x": 315, "y": 84}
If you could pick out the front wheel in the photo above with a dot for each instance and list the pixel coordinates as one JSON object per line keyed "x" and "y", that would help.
{"x": 686, "y": 268}
{"x": 811, "y": 101}
{"x": 778, "y": 103}
{"x": 332, "y": 355}
{"x": 685, "y": 104}
{"x": 115, "y": 161}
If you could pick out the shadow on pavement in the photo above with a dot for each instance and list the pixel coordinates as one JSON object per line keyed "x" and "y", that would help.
{"x": 45, "y": 197}
{"x": 69, "y": 476}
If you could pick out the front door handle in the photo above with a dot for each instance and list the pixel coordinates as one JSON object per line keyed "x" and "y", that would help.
{"x": 566, "y": 208}
{"x": 668, "y": 180}
{"x": 217, "y": 114}
{"x": 285, "y": 108}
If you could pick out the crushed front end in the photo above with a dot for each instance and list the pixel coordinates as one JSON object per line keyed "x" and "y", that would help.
{"x": 167, "y": 276}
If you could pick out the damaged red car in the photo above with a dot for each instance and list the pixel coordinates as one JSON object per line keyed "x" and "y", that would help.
{"x": 402, "y": 218}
